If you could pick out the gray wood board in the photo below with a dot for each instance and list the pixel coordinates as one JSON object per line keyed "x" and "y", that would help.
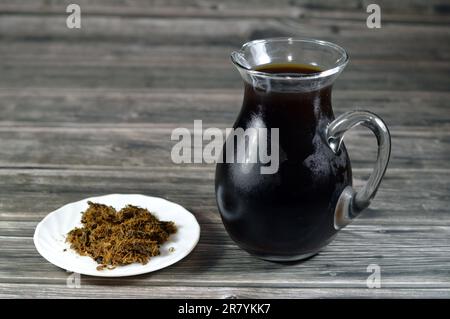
{"x": 218, "y": 8}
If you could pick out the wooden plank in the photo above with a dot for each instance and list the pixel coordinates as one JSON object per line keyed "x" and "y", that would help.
{"x": 166, "y": 68}
{"x": 219, "y": 8}
{"x": 60, "y": 53}
{"x": 404, "y": 262}
{"x": 233, "y": 31}
{"x": 118, "y": 291}
{"x": 149, "y": 145}
{"x": 133, "y": 107}
{"x": 406, "y": 197}
{"x": 356, "y": 77}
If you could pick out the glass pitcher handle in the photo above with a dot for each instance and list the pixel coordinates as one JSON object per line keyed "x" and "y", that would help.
{"x": 350, "y": 202}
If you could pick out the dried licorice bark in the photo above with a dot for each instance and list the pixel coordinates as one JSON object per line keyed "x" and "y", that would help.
{"x": 113, "y": 238}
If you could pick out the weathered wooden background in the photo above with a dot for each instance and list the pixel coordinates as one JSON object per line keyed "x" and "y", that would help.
{"x": 89, "y": 112}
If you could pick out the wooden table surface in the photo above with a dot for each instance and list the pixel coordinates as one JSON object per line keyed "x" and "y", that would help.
{"x": 89, "y": 112}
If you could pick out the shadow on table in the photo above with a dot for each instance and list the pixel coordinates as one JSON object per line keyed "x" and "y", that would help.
{"x": 215, "y": 257}
{"x": 207, "y": 253}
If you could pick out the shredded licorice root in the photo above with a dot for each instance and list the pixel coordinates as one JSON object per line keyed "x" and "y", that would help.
{"x": 111, "y": 238}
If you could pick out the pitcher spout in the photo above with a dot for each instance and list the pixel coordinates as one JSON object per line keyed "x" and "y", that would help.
{"x": 238, "y": 59}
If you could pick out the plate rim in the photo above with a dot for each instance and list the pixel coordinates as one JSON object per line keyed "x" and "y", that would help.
{"x": 40, "y": 250}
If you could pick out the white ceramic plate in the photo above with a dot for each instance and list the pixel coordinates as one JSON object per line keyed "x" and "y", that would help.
{"x": 50, "y": 235}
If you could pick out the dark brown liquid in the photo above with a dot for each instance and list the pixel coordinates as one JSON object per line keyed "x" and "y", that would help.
{"x": 290, "y": 212}
{"x": 289, "y": 68}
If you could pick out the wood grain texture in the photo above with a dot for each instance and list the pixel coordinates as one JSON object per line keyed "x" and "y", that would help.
{"x": 150, "y": 145}
{"x": 217, "y": 8}
{"x": 90, "y": 112}
{"x": 406, "y": 110}
{"x": 98, "y": 291}
{"x": 425, "y": 202}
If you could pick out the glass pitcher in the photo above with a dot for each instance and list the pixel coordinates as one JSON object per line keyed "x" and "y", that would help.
{"x": 292, "y": 211}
